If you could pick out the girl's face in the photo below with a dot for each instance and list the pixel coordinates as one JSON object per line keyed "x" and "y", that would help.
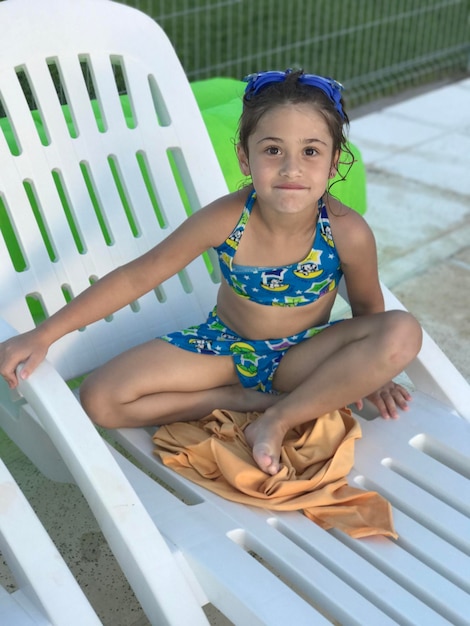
{"x": 290, "y": 157}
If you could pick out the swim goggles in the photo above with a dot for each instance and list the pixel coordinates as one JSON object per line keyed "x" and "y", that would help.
{"x": 329, "y": 86}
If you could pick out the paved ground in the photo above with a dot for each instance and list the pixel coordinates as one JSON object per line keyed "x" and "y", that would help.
{"x": 417, "y": 154}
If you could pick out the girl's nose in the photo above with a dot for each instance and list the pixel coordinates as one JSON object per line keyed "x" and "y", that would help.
{"x": 290, "y": 166}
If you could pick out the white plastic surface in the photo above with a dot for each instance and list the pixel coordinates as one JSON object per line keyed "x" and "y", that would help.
{"x": 166, "y": 120}
{"x": 134, "y": 539}
{"x": 420, "y": 463}
{"x": 48, "y": 593}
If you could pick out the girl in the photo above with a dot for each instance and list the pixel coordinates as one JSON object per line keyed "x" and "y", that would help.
{"x": 284, "y": 243}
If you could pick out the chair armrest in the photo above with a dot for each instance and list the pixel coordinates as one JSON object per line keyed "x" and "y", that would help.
{"x": 138, "y": 546}
{"x": 134, "y": 539}
{"x": 39, "y": 570}
{"x": 432, "y": 372}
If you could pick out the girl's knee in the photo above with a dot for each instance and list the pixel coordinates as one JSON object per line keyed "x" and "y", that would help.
{"x": 403, "y": 335}
{"x": 93, "y": 401}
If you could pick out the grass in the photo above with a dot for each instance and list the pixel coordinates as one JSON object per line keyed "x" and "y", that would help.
{"x": 375, "y": 47}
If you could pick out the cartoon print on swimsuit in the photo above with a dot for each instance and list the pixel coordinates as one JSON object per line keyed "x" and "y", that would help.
{"x": 234, "y": 238}
{"x": 203, "y": 346}
{"x": 293, "y": 285}
{"x": 247, "y": 360}
{"x": 328, "y": 235}
{"x": 239, "y": 287}
{"x": 309, "y": 267}
{"x": 273, "y": 280}
{"x": 203, "y": 343}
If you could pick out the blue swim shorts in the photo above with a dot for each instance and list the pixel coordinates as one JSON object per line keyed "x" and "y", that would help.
{"x": 256, "y": 361}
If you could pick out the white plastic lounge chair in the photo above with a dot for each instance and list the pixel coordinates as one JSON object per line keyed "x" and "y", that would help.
{"x": 93, "y": 189}
{"x": 47, "y": 592}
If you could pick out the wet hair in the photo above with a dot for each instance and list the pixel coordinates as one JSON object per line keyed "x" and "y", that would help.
{"x": 291, "y": 91}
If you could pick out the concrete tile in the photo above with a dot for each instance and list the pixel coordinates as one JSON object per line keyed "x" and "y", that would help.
{"x": 381, "y": 135}
{"x": 446, "y": 108}
{"x": 441, "y": 302}
{"x": 463, "y": 259}
{"x": 441, "y": 162}
{"x": 406, "y": 215}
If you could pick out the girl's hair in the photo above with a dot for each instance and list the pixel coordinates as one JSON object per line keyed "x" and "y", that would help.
{"x": 287, "y": 91}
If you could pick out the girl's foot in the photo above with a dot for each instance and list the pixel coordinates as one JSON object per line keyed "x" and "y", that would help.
{"x": 265, "y": 438}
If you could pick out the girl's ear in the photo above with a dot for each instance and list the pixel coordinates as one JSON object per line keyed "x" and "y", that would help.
{"x": 243, "y": 160}
{"x": 334, "y": 165}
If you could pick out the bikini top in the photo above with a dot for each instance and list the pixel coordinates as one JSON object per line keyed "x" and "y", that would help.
{"x": 291, "y": 285}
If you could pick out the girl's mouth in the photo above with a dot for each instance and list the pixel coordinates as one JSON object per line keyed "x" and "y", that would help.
{"x": 291, "y": 186}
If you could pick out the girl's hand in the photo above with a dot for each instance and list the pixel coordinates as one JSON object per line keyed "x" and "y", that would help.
{"x": 26, "y": 348}
{"x": 388, "y": 399}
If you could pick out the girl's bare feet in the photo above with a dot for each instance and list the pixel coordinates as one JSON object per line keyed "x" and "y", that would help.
{"x": 265, "y": 437}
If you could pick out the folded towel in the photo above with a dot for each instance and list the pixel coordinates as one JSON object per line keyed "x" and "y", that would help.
{"x": 316, "y": 458}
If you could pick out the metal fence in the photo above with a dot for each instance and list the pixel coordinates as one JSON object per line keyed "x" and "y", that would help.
{"x": 374, "y": 47}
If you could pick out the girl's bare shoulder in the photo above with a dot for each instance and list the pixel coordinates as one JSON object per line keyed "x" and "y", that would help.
{"x": 348, "y": 226}
{"x": 219, "y": 217}
{"x": 208, "y": 227}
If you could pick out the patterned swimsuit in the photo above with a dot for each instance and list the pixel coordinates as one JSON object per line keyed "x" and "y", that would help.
{"x": 291, "y": 285}
{"x": 298, "y": 284}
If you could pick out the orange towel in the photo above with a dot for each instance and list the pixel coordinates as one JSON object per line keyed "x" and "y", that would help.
{"x": 315, "y": 457}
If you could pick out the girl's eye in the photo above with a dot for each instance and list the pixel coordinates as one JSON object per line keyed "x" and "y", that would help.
{"x": 310, "y": 151}
{"x": 272, "y": 150}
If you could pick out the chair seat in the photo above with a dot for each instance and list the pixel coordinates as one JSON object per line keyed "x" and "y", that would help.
{"x": 420, "y": 468}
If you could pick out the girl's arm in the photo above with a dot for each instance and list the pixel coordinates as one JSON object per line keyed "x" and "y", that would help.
{"x": 357, "y": 250}
{"x": 120, "y": 287}
{"x": 358, "y": 253}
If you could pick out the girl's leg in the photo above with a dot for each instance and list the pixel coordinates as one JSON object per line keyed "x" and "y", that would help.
{"x": 340, "y": 365}
{"x": 157, "y": 383}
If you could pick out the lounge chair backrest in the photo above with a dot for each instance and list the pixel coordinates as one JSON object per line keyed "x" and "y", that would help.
{"x": 94, "y": 172}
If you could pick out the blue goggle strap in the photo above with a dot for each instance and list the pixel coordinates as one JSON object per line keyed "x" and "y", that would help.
{"x": 329, "y": 86}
